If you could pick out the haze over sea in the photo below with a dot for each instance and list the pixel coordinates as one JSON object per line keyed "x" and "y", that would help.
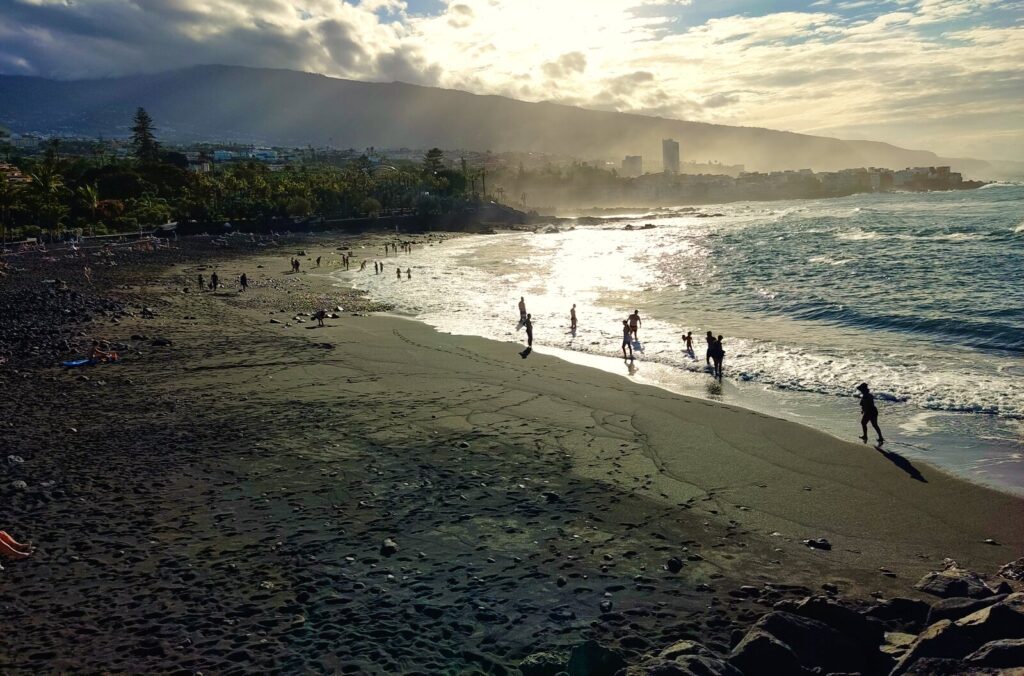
{"x": 919, "y": 294}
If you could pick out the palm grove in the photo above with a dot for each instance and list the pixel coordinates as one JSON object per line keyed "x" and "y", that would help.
{"x": 53, "y": 195}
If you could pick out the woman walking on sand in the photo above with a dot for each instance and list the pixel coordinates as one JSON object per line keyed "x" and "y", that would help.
{"x": 869, "y": 413}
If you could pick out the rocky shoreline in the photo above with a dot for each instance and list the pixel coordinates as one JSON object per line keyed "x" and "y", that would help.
{"x": 238, "y": 495}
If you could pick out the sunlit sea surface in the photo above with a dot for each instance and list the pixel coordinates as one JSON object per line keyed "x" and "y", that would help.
{"x": 921, "y": 295}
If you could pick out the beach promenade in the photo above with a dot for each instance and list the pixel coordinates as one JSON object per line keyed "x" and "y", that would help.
{"x": 246, "y": 491}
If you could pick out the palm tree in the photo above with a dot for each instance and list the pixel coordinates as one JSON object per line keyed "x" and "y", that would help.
{"x": 10, "y": 199}
{"x": 48, "y": 189}
{"x": 89, "y": 195}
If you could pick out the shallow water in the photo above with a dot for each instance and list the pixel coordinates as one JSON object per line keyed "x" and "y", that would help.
{"x": 921, "y": 295}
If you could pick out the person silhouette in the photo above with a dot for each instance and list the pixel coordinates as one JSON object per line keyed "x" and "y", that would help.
{"x": 627, "y": 339}
{"x": 634, "y": 324}
{"x": 869, "y": 413}
{"x": 529, "y": 331}
{"x": 717, "y": 355}
{"x": 572, "y": 318}
{"x": 522, "y": 309}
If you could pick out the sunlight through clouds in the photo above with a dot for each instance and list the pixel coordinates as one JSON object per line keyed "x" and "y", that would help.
{"x": 938, "y": 74}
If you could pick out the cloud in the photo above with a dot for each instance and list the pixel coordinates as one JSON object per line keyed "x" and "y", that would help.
{"x": 936, "y": 74}
{"x": 565, "y": 66}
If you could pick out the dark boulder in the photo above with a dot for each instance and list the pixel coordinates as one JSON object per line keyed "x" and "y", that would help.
{"x": 954, "y": 582}
{"x": 901, "y": 614}
{"x": 1007, "y": 652}
{"x": 593, "y": 659}
{"x": 866, "y": 632}
{"x": 542, "y": 664}
{"x": 955, "y": 608}
{"x": 778, "y": 638}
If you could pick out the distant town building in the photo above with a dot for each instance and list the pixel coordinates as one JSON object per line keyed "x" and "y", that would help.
{"x": 223, "y": 155}
{"x": 670, "y": 156}
{"x": 633, "y": 165}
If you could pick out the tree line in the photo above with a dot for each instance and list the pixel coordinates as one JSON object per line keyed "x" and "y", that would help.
{"x": 53, "y": 195}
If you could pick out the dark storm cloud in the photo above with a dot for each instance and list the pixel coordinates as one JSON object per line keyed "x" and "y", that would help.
{"x": 116, "y": 37}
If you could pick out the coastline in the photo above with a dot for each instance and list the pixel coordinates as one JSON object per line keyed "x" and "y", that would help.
{"x": 266, "y": 463}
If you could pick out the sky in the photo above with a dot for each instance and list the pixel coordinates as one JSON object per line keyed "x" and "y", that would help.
{"x": 941, "y": 75}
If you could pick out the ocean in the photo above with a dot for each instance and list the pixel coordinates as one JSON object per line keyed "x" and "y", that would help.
{"x": 921, "y": 295}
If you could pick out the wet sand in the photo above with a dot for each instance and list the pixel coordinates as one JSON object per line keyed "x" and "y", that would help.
{"x": 221, "y": 503}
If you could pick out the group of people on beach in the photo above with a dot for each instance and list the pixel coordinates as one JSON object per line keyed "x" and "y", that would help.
{"x": 714, "y": 356}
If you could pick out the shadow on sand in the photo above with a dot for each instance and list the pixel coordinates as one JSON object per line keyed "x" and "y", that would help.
{"x": 903, "y": 464}
{"x": 526, "y": 353}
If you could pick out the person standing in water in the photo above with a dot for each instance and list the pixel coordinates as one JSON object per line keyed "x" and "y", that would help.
{"x": 688, "y": 339}
{"x": 398, "y": 272}
{"x": 529, "y": 331}
{"x": 522, "y": 310}
{"x": 408, "y": 273}
{"x": 572, "y": 318}
{"x": 627, "y": 341}
{"x": 634, "y": 323}
{"x": 707, "y": 355}
{"x": 717, "y": 355}
{"x": 869, "y": 413}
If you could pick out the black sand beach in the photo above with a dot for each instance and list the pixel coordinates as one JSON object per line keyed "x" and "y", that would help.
{"x": 246, "y": 492}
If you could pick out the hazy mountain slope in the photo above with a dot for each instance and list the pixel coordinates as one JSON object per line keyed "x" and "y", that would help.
{"x": 289, "y": 108}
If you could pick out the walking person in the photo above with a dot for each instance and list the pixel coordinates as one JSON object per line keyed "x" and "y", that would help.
{"x": 522, "y": 310}
{"x": 529, "y": 331}
{"x": 627, "y": 339}
{"x": 214, "y": 281}
{"x": 202, "y": 283}
{"x": 869, "y": 413}
{"x": 408, "y": 273}
{"x": 244, "y": 281}
{"x": 634, "y": 324}
{"x": 572, "y": 318}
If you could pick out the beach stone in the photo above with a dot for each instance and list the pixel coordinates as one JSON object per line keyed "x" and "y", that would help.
{"x": 1007, "y": 652}
{"x": 954, "y": 582}
{"x": 864, "y": 631}
{"x": 542, "y": 664}
{"x": 674, "y": 565}
{"x": 907, "y": 614}
{"x": 957, "y": 639}
{"x": 593, "y": 659}
{"x": 813, "y": 644}
{"x": 19, "y": 485}
{"x": 160, "y": 342}
{"x": 896, "y": 643}
{"x": 955, "y": 608}
{"x": 388, "y": 547}
{"x": 680, "y": 648}
{"x": 1014, "y": 570}
{"x": 761, "y": 653}
{"x": 818, "y": 543}
{"x": 692, "y": 665}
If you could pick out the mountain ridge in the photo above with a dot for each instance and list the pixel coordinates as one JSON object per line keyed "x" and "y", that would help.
{"x": 286, "y": 107}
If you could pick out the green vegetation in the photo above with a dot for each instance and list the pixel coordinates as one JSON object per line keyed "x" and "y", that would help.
{"x": 96, "y": 194}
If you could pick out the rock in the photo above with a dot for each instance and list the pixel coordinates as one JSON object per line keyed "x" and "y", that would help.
{"x": 955, "y": 608}
{"x": 19, "y": 485}
{"x": 542, "y": 664}
{"x": 561, "y": 581}
{"x": 862, "y": 630}
{"x": 909, "y": 615}
{"x": 760, "y": 653}
{"x": 593, "y": 659}
{"x": 674, "y": 565}
{"x": 954, "y": 582}
{"x": 275, "y": 321}
{"x": 896, "y": 643}
{"x": 389, "y": 547}
{"x": 680, "y": 648}
{"x": 813, "y": 644}
{"x": 693, "y": 665}
{"x": 1007, "y": 652}
{"x": 605, "y": 606}
{"x": 549, "y": 496}
{"x": 1014, "y": 570}
{"x": 15, "y": 460}
{"x": 160, "y": 342}
{"x": 957, "y": 639}
{"x": 818, "y": 543}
